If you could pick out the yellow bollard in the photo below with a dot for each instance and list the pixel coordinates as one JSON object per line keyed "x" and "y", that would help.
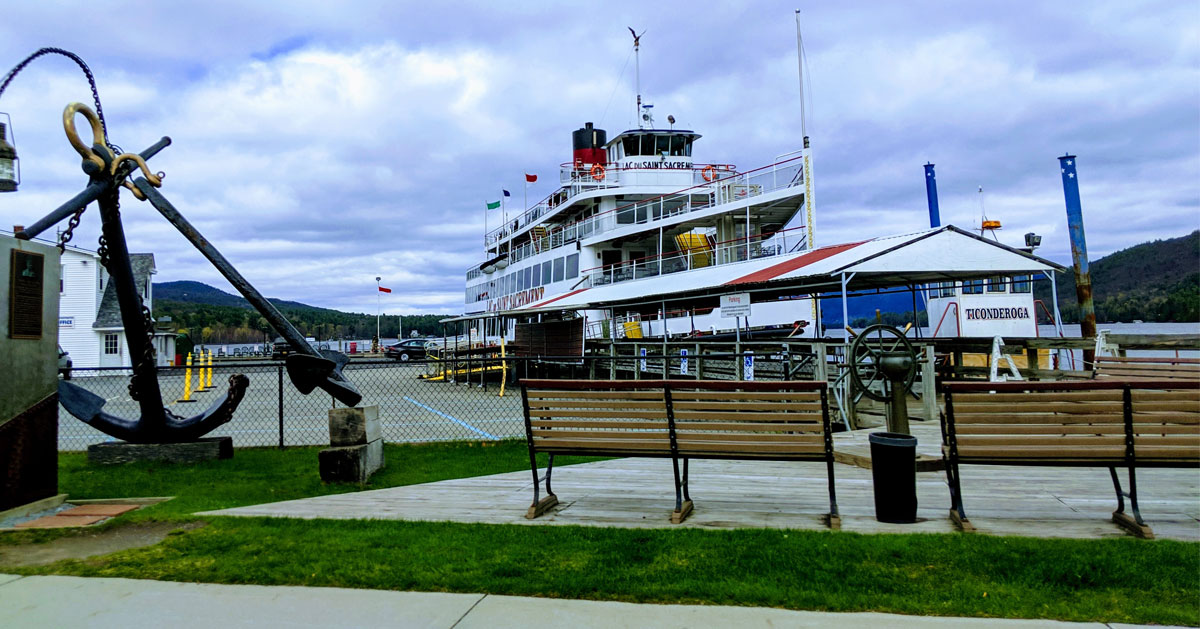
{"x": 187, "y": 382}
{"x": 208, "y": 382}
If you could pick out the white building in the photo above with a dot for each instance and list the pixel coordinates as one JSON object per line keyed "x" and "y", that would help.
{"x": 89, "y": 319}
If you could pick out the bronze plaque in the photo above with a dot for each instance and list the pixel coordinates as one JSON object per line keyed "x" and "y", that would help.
{"x": 25, "y": 295}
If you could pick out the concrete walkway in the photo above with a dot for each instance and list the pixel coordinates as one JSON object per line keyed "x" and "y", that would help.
{"x": 55, "y": 601}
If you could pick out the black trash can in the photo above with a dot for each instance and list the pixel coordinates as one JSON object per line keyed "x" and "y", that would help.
{"x": 894, "y": 471}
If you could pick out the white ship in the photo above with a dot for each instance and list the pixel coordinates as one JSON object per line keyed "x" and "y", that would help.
{"x": 639, "y": 207}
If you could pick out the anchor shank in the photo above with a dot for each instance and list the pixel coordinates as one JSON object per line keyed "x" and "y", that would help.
{"x": 153, "y": 418}
{"x": 260, "y": 303}
{"x": 87, "y": 195}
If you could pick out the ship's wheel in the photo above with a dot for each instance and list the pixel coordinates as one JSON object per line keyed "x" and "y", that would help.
{"x": 882, "y": 353}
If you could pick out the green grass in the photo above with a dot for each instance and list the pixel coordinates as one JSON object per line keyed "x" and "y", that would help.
{"x": 1115, "y": 580}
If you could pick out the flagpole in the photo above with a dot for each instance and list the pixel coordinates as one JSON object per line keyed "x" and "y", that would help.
{"x": 378, "y": 339}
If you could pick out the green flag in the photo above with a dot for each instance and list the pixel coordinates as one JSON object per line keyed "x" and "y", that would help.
{"x": 492, "y": 206}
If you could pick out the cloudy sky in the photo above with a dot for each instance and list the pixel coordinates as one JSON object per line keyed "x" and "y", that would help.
{"x": 320, "y": 144}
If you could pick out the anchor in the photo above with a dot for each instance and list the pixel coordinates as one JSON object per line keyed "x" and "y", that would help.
{"x": 108, "y": 172}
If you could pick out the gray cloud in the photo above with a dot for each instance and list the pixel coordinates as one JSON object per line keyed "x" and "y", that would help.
{"x": 319, "y": 145}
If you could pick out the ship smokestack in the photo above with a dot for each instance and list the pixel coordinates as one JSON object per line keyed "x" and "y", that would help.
{"x": 587, "y": 145}
{"x": 935, "y": 217}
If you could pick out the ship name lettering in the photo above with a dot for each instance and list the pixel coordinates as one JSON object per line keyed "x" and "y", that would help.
{"x": 997, "y": 313}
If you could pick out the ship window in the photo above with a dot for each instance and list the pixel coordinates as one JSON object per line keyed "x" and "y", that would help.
{"x": 662, "y": 145}
{"x": 631, "y": 146}
{"x": 1021, "y": 284}
{"x": 536, "y": 279}
{"x": 947, "y": 289}
{"x": 995, "y": 285}
{"x": 678, "y": 146}
{"x": 973, "y": 287}
{"x": 522, "y": 279}
{"x": 573, "y": 266}
{"x": 546, "y": 273}
{"x": 558, "y": 269}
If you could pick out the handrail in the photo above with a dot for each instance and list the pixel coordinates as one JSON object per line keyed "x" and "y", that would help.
{"x": 956, "y": 318}
{"x": 716, "y": 181}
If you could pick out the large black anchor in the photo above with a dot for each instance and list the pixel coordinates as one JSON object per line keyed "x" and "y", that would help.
{"x": 156, "y": 424}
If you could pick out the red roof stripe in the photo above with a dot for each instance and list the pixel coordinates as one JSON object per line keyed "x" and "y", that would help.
{"x": 562, "y": 296}
{"x": 775, "y": 271}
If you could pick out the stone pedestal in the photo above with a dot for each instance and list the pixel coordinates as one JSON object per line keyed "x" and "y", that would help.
{"x": 206, "y": 449}
{"x": 357, "y": 445}
{"x": 29, "y": 280}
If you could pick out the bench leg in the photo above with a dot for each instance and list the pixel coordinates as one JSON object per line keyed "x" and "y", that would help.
{"x": 957, "y": 514}
{"x": 541, "y": 505}
{"x": 834, "y": 519}
{"x": 1134, "y": 524}
{"x": 683, "y": 502}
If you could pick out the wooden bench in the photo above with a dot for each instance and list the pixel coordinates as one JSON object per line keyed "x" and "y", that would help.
{"x": 1166, "y": 368}
{"x": 1107, "y": 423}
{"x": 679, "y": 420}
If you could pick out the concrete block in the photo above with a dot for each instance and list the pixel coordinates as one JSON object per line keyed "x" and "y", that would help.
{"x": 206, "y": 449}
{"x": 350, "y": 464}
{"x": 354, "y": 426}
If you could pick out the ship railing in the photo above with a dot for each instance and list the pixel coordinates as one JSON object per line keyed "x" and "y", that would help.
{"x": 727, "y": 252}
{"x": 727, "y": 186}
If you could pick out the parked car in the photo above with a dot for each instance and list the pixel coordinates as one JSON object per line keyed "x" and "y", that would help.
{"x": 280, "y": 349}
{"x": 405, "y": 351}
{"x": 64, "y": 363}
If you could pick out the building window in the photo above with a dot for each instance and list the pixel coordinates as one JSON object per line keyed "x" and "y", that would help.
{"x": 62, "y": 274}
{"x": 1021, "y": 284}
{"x": 973, "y": 287}
{"x": 995, "y": 285}
{"x": 111, "y": 344}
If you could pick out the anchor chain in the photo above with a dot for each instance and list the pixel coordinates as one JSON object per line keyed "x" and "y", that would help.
{"x": 67, "y": 234}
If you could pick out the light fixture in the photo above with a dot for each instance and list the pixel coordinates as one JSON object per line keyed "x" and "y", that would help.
{"x": 1033, "y": 241}
{"x": 10, "y": 173}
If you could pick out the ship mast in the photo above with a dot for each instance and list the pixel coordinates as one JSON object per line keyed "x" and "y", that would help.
{"x": 809, "y": 214}
{"x": 637, "y": 72}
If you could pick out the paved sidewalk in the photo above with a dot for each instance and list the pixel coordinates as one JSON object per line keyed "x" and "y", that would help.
{"x": 55, "y": 601}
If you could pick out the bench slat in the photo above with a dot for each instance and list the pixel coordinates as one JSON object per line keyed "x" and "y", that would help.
{"x": 1113, "y": 395}
{"x": 683, "y": 394}
{"x": 602, "y": 394}
{"x": 693, "y": 446}
{"x": 1035, "y": 418}
{"x": 594, "y": 404}
{"x": 643, "y": 414}
{"x": 582, "y": 423}
{"x": 1143, "y": 395}
{"x": 814, "y": 426}
{"x": 565, "y": 433}
{"x": 1074, "y": 408}
{"x": 1182, "y": 453}
{"x": 1070, "y": 429}
{"x": 759, "y": 416}
{"x": 660, "y": 445}
{"x": 1108, "y": 365}
{"x": 1070, "y": 440}
{"x": 746, "y": 406}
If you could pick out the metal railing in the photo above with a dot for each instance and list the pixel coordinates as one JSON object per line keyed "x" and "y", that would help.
{"x": 727, "y": 187}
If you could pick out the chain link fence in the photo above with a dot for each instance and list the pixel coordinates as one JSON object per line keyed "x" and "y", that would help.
{"x": 462, "y": 401}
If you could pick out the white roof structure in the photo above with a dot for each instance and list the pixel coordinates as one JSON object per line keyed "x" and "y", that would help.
{"x": 936, "y": 255}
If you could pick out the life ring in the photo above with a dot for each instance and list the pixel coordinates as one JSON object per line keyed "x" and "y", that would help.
{"x": 598, "y": 172}
{"x": 709, "y": 172}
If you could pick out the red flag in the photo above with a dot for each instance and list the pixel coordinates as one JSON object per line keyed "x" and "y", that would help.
{"x": 530, "y": 178}
{"x": 384, "y": 290}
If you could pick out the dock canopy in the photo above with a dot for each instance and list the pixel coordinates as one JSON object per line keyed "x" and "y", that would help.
{"x": 937, "y": 255}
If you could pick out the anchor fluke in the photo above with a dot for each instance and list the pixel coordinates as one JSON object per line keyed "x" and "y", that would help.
{"x": 308, "y": 372}
{"x": 89, "y": 408}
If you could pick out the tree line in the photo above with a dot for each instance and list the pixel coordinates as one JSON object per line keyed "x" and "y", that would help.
{"x": 206, "y": 323}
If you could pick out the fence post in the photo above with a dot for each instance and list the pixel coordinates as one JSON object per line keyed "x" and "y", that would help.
{"x": 928, "y": 384}
{"x": 280, "y": 371}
